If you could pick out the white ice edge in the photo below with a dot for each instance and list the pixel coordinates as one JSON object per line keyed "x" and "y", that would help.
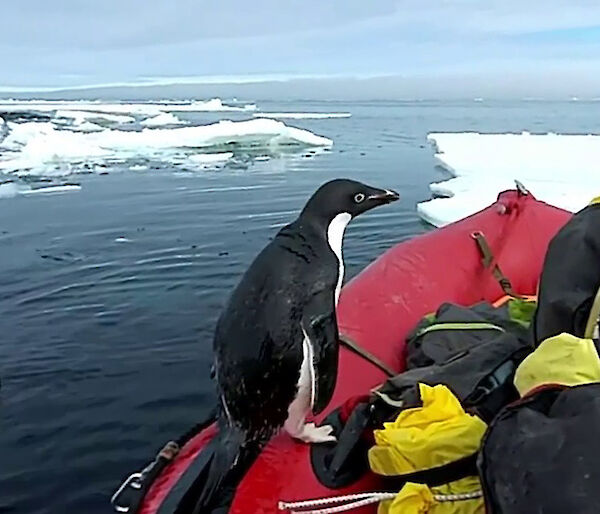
{"x": 11, "y": 189}
{"x": 52, "y": 189}
{"x": 559, "y": 169}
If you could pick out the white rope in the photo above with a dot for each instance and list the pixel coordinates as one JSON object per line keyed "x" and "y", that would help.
{"x": 354, "y": 501}
{"x": 457, "y": 497}
{"x": 350, "y": 501}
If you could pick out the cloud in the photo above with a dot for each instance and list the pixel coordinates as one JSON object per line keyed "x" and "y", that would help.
{"x": 70, "y": 42}
{"x": 117, "y": 23}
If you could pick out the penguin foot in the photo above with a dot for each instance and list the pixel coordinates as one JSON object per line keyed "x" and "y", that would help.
{"x": 313, "y": 434}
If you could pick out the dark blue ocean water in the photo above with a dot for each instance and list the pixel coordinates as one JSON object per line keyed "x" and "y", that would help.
{"x": 105, "y": 345}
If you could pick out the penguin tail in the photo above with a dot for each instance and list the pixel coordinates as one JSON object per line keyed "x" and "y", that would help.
{"x": 224, "y": 461}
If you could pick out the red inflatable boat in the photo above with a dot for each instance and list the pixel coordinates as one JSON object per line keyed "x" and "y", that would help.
{"x": 377, "y": 309}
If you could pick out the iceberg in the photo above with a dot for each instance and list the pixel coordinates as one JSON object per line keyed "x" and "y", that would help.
{"x": 166, "y": 118}
{"x": 302, "y": 115}
{"x": 212, "y": 105}
{"x": 559, "y": 169}
{"x": 37, "y": 148}
{"x": 210, "y": 158}
{"x": 9, "y": 190}
{"x": 81, "y": 117}
{"x": 138, "y": 167}
{"x": 87, "y": 126}
{"x": 40, "y": 148}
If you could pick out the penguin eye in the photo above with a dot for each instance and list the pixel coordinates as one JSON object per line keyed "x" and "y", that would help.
{"x": 359, "y": 197}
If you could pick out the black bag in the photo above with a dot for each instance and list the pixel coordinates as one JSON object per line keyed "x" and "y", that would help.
{"x": 541, "y": 454}
{"x": 454, "y": 328}
{"x": 476, "y": 358}
{"x": 570, "y": 277}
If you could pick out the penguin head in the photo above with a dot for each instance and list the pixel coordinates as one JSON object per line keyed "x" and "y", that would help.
{"x": 346, "y": 196}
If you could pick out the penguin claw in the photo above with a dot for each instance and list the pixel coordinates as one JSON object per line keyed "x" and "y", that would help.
{"x": 313, "y": 434}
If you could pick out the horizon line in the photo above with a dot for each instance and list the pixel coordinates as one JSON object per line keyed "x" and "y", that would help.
{"x": 196, "y": 79}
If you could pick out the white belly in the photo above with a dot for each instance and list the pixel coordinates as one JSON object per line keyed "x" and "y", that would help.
{"x": 305, "y": 395}
{"x": 335, "y": 236}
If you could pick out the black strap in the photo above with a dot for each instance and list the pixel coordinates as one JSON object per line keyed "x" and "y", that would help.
{"x": 367, "y": 355}
{"x": 182, "y": 496}
{"x": 488, "y": 260}
{"x": 132, "y": 497}
{"x": 350, "y": 436}
{"x": 339, "y": 465}
{"x": 434, "y": 477}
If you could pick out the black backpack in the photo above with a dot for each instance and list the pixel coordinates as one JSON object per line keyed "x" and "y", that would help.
{"x": 570, "y": 282}
{"x": 541, "y": 454}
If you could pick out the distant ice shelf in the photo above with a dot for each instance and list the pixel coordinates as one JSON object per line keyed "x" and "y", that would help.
{"x": 140, "y": 108}
{"x": 302, "y": 115}
{"x": 562, "y": 170}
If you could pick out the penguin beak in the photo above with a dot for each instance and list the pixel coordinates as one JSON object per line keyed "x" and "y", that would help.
{"x": 385, "y": 196}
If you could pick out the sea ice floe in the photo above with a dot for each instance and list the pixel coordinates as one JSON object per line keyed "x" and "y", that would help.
{"x": 41, "y": 148}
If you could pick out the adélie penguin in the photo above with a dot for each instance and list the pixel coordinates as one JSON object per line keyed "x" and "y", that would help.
{"x": 276, "y": 341}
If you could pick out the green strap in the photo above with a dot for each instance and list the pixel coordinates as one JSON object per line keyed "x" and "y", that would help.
{"x": 459, "y": 326}
{"x": 367, "y": 355}
{"x": 487, "y": 259}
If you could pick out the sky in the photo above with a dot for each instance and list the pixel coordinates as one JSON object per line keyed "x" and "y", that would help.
{"x": 67, "y": 43}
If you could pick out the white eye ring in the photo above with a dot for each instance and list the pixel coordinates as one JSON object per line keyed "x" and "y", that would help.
{"x": 359, "y": 197}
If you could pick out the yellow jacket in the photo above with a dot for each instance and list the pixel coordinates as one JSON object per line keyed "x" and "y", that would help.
{"x": 438, "y": 433}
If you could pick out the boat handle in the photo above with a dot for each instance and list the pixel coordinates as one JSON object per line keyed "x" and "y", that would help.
{"x": 132, "y": 481}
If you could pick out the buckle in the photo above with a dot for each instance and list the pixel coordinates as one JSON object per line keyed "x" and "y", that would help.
{"x": 133, "y": 481}
{"x": 523, "y": 191}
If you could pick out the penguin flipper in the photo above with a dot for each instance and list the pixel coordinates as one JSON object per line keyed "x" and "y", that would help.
{"x": 320, "y": 326}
